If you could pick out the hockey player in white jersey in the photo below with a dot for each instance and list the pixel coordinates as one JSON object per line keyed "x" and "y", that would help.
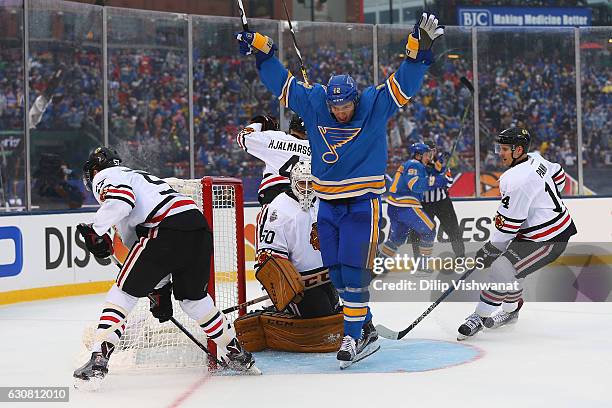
{"x": 167, "y": 236}
{"x": 286, "y": 228}
{"x": 532, "y": 229}
{"x": 278, "y": 150}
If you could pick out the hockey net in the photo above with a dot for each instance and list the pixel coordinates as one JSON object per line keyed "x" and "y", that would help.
{"x": 146, "y": 343}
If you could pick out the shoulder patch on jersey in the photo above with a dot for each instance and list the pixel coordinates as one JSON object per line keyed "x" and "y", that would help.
{"x": 413, "y": 171}
{"x": 379, "y": 87}
{"x": 499, "y": 221}
{"x": 314, "y": 237}
{"x": 273, "y": 215}
{"x": 247, "y": 130}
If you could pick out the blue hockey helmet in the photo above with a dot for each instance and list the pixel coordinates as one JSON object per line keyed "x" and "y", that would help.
{"x": 418, "y": 148}
{"x": 341, "y": 89}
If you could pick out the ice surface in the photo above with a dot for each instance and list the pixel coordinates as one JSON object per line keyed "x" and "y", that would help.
{"x": 557, "y": 355}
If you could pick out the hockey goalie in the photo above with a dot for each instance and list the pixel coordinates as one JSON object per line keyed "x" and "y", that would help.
{"x": 305, "y": 316}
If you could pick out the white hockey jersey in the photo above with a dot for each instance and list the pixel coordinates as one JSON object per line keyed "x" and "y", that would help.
{"x": 278, "y": 150}
{"x": 531, "y": 207}
{"x": 129, "y": 198}
{"x": 285, "y": 230}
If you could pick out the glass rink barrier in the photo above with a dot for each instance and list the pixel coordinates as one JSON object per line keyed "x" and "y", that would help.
{"x": 170, "y": 92}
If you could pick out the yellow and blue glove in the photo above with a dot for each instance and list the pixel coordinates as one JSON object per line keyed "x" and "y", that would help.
{"x": 425, "y": 32}
{"x": 257, "y": 43}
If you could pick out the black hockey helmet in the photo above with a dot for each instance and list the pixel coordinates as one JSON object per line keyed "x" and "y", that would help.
{"x": 514, "y": 136}
{"x": 101, "y": 158}
{"x": 268, "y": 122}
{"x": 297, "y": 124}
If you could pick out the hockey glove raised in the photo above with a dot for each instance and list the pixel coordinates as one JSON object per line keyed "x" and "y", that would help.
{"x": 262, "y": 45}
{"x": 161, "y": 304}
{"x": 99, "y": 246}
{"x": 425, "y": 32}
{"x": 488, "y": 253}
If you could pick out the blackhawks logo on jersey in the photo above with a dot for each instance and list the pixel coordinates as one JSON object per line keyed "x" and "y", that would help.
{"x": 103, "y": 193}
{"x": 499, "y": 221}
{"x": 314, "y": 237}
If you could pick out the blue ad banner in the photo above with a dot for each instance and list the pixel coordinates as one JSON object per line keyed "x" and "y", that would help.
{"x": 524, "y": 17}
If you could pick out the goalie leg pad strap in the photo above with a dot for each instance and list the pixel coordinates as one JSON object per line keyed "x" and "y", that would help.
{"x": 279, "y": 331}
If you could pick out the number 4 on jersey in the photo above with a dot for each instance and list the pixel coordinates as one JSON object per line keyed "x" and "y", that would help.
{"x": 506, "y": 202}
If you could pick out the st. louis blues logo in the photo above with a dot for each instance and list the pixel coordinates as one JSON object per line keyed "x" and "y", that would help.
{"x": 335, "y": 138}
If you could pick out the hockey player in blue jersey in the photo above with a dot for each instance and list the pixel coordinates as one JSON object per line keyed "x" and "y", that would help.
{"x": 347, "y": 135}
{"x": 405, "y": 211}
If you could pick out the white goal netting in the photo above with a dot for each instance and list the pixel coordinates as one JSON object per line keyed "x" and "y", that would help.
{"x": 146, "y": 343}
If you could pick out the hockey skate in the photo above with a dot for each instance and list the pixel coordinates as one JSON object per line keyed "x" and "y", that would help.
{"x": 503, "y": 318}
{"x": 352, "y": 351}
{"x": 473, "y": 324}
{"x": 238, "y": 359}
{"x": 89, "y": 376}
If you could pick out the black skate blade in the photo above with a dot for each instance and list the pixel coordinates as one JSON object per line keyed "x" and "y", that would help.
{"x": 368, "y": 351}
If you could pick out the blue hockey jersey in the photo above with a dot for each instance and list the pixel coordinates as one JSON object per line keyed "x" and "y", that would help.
{"x": 348, "y": 159}
{"x": 410, "y": 182}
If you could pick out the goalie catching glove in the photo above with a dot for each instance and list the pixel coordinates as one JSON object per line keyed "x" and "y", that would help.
{"x": 425, "y": 32}
{"x": 281, "y": 281}
{"x": 161, "y": 303}
{"x": 101, "y": 246}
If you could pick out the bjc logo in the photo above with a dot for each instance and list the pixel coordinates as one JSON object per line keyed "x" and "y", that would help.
{"x": 475, "y": 17}
{"x": 13, "y": 234}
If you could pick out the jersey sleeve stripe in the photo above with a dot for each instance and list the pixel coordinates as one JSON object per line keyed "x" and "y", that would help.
{"x": 396, "y": 92}
{"x": 122, "y": 191}
{"x": 513, "y": 220}
{"x": 284, "y": 96}
{"x": 412, "y": 182}
{"x": 240, "y": 141}
{"x": 120, "y": 198}
{"x": 273, "y": 180}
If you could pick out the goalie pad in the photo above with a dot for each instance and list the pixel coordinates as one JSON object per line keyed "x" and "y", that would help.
{"x": 280, "y": 331}
{"x": 281, "y": 281}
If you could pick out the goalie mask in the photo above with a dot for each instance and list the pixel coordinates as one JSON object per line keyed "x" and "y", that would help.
{"x": 100, "y": 159}
{"x": 301, "y": 184}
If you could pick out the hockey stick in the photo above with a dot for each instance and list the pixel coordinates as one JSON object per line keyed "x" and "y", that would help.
{"x": 245, "y": 24}
{"x": 191, "y": 336}
{"x": 295, "y": 45}
{"x": 245, "y": 304}
{"x": 393, "y": 335}
{"x": 465, "y": 82}
{"x": 179, "y": 325}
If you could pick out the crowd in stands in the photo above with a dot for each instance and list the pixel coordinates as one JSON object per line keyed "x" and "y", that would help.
{"x": 149, "y": 107}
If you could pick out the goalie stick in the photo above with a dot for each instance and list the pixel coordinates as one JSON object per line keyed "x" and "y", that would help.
{"x": 394, "y": 335}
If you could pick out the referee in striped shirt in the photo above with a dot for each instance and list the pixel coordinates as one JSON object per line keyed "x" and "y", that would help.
{"x": 437, "y": 203}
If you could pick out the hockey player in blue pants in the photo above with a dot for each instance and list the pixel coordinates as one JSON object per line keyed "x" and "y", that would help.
{"x": 405, "y": 210}
{"x": 347, "y": 134}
